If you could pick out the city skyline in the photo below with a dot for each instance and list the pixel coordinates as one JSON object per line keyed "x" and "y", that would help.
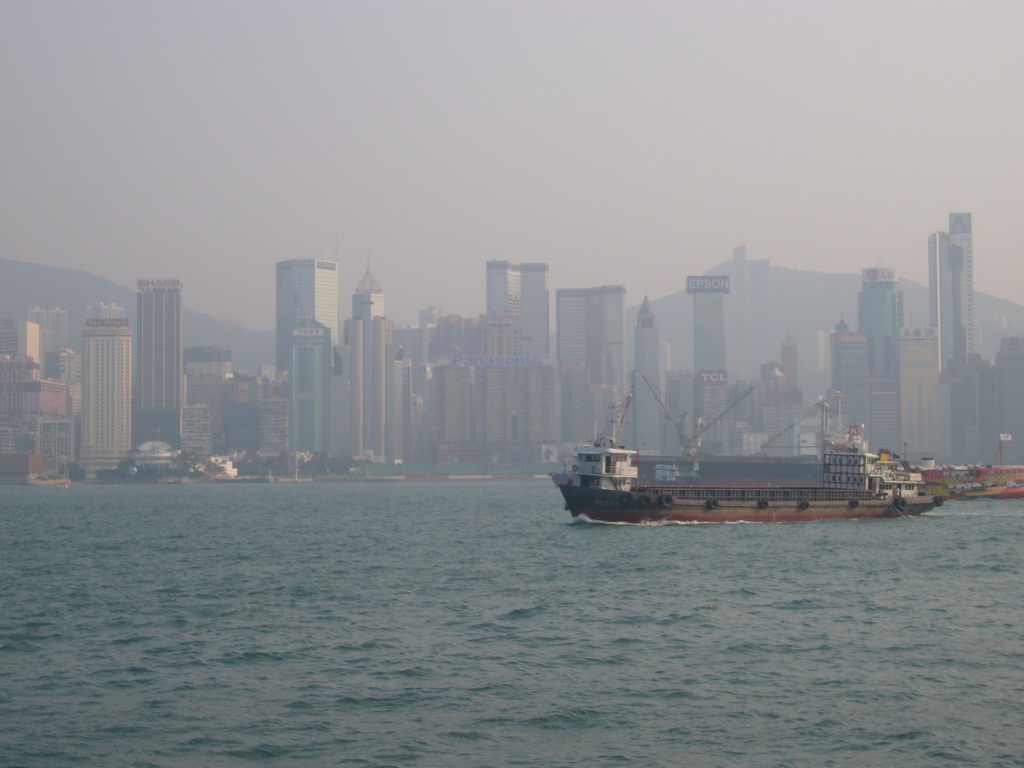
{"x": 599, "y": 138}
{"x": 369, "y": 395}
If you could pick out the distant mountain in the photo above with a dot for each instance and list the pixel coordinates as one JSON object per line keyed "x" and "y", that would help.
{"x": 24, "y": 285}
{"x": 804, "y": 303}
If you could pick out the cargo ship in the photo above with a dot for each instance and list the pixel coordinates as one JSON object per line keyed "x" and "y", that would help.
{"x": 603, "y": 484}
{"x": 974, "y": 481}
{"x": 655, "y": 469}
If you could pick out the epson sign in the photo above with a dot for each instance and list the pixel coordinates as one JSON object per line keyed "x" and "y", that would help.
{"x": 707, "y": 284}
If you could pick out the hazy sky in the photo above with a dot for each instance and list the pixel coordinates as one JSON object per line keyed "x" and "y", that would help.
{"x": 620, "y": 142}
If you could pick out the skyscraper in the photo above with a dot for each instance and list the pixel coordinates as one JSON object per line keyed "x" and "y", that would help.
{"x": 646, "y": 417}
{"x": 951, "y": 290}
{"x": 749, "y": 320}
{"x": 309, "y": 388}
{"x": 923, "y": 412}
{"x": 161, "y": 369}
{"x": 849, "y": 377}
{"x": 307, "y": 289}
{"x": 590, "y": 330}
{"x": 368, "y": 339}
{"x": 710, "y": 393}
{"x": 106, "y": 394}
{"x": 1010, "y": 380}
{"x": 521, "y": 290}
{"x": 880, "y": 316}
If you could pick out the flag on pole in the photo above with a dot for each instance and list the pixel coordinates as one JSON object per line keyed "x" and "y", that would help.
{"x": 1005, "y": 438}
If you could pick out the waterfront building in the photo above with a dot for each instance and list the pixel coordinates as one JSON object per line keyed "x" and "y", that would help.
{"x": 450, "y": 405}
{"x": 309, "y": 388}
{"x": 57, "y": 444}
{"x": 368, "y": 341}
{"x": 272, "y": 422}
{"x": 106, "y": 435}
{"x": 1009, "y": 366}
{"x": 307, "y": 290}
{"x": 207, "y": 373}
{"x": 974, "y": 411}
{"x": 161, "y": 369}
{"x": 397, "y": 411}
{"x": 923, "y": 401}
{"x": 197, "y": 430}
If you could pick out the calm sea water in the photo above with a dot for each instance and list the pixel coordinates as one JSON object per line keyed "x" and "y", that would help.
{"x": 430, "y": 624}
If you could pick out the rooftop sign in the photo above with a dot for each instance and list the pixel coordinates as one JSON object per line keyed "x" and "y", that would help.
{"x": 850, "y": 337}
{"x": 872, "y": 275}
{"x": 148, "y": 285}
{"x": 488, "y": 361}
{"x": 707, "y": 284}
{"x": 919, "y": 334}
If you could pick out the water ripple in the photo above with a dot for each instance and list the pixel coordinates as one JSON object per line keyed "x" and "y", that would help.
{"x": 436, "y": 625}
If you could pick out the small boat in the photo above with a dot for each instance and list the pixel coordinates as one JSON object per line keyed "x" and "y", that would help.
{"x": 602, "y": 484}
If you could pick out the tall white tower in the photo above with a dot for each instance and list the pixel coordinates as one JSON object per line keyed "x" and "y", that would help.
{"x": 368, "y": 337}
{"x": 307, "y": 289}
{"x": 106, "y": 393}
{"x": 951, "y": 290}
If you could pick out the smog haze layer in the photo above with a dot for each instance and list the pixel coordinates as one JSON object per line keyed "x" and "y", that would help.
{"x": 631, "y": 143}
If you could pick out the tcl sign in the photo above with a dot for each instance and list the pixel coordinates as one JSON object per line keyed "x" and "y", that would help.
{"x": 707, "y": 284}
{"x": 714, "y": 378}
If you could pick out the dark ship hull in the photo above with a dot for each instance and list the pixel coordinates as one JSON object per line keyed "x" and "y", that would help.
{"x": 704, "y": 504}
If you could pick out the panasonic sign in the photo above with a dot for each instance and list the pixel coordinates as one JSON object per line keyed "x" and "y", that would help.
{"x": 707, "y": 284}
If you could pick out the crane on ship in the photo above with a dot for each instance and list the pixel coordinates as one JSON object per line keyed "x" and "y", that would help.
{"x": 788, "y": 428}
{"x": 691, "y": 443}
{"x": 679, "y": 424}
{"x": 700, "y": 428}
{"x": 610, "y": 435}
